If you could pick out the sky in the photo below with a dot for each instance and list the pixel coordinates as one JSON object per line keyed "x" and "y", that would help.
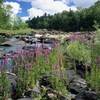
{"x": 33, "y": 8}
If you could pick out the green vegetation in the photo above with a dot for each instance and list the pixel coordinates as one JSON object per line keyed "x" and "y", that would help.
{"x": 94, "y": 78}
{"x": 10, "y": 23}
{"x": 4, "y": 16}
{"x": 4, "y": 86}
{"x": 80, "y": 20}
{"x": 89, "y": 55}
{"x": 16, "y": 32}
{"x": 28, "y": 74}
{"x": 79, "y": 51}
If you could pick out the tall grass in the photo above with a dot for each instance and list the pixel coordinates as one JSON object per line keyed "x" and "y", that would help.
{"x": 13, "y": 32}
{"x": 94, "y": 78}
{"x": 30, "y": 66}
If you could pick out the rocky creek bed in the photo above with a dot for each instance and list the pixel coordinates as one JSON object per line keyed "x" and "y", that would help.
{"x": 78, "y": 88}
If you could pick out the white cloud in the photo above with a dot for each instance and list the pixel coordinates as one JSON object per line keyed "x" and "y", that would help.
{"x": 84, "y": 3}
{"x": 39, "y": 7}
{"x": 81, "y": 3}
{"x": 25, "y": 18}
{"x": 15, "y": 7}
{"x": 34, "y": 12}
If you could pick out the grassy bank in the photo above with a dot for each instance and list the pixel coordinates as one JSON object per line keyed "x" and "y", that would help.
{"x": 20, "y": 31}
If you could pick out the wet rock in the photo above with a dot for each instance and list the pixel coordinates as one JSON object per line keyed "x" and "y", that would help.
{"x": 86, "y": 95}
{"x": 77, "y": 85}
{"x": 13, "y": 42}
{"x": 29, "y": 47}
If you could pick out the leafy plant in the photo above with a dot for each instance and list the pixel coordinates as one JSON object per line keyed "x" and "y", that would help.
{"x": 79, "y": 51}
{"x": 58, "y": 85}
{"x": 94, "y": 78}
{"x": 4, "y": 86}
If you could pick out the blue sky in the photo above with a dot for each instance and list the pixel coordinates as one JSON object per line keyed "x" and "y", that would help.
{"x": 24, "y": 7}
{"x": 32, "y": 8}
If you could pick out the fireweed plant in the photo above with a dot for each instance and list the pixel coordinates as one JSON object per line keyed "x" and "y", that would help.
{"x": 30, "y": 65}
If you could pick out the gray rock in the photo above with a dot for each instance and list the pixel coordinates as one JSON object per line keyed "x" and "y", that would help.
{"x": 77, "y": 85}
{"x": 13, "y": 42}
{"x": 12, "y": 78}
{"x": 36, "y": 90}
{"x": 71, "y": 96}
{"x": 1, "y": 52}
{"x": 71, "y": 75}
{"x": 87, "y": 95}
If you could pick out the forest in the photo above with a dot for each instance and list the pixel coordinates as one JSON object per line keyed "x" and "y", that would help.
{"x": 80, "y": 20}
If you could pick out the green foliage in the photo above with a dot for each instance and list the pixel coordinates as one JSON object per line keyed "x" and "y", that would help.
{"x": 97, "y": 37}
{"x": 58, "y": 85}
{"x": 28, "y": 77}
{"x": 17, "y": 23}
{"x": 94, "y": 78}
{"x": 8, "y": 22}
{"x": 21, "y": 81}
{"x": 81, "y": 20}
{"x": 4, "y": 17}
{"x": 16, "y": 32}
{"x": 4, "y": 86}
{"x": 79, "y": 51}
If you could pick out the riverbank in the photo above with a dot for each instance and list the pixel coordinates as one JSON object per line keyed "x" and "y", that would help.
{"x": 41, "y": 65}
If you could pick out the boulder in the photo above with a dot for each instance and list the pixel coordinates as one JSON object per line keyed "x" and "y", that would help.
{"x": 87, "y": 95}
{"x": 77, "y": 85}
{"x": 13, "y": 42}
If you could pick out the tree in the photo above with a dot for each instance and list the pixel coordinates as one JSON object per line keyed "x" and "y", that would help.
{"x": 80, "y": 20}
{"x": 4, "y": 15}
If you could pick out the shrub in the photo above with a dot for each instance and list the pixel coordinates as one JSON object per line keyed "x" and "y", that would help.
{"x": 4, "y": 86}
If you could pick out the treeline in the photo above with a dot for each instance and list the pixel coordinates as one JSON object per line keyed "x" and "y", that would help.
{"x": 9, "y": 21}
{"x": 81, "y": 20}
